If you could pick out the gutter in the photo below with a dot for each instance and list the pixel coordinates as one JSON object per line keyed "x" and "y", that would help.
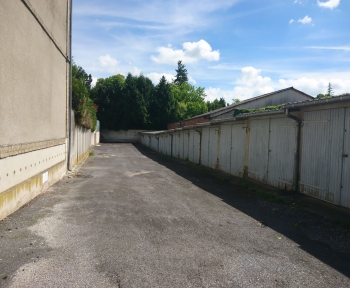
{"x": 325, "y": 101}
{"x": 297, "y": 151}
{"x": 70, "y": 88}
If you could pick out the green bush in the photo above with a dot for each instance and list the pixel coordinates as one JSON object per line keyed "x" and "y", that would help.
{"x": 83, "y": 107}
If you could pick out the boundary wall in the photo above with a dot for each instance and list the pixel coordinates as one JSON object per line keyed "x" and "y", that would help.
{"x": 303, "y": 148}
{"x": 25, "y": 176}
{"x": 120, "y": 136}
{"x": 34, "y": 100}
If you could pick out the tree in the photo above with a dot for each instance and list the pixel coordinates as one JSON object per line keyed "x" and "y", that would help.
{"x": 108, "y": 95}
{"x": 190, "y": 100}
{"x": 236, "y": 101}
{"x": 181, "y": 73}
{"x": 216, "y": 104}
{"x": 83, "y": 106}
{"x": 329, "y": 90}
{"x": 162, "y": 106}
{"x": 80, "y": 73}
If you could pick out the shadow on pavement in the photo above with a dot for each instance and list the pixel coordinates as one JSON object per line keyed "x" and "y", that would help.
{"x": 322, "y": 238}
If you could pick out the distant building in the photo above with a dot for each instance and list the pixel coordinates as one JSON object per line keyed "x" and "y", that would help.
{"x": 270, "y": 99}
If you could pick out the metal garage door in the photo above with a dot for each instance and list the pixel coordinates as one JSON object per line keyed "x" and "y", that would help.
{"x": 213, "y": 147}
{"x": 282, "y": 145}
{"x": 238, "y": 148}
{"x": 225, "y": 148}
{"x": 258, "y": 149}
{"x": 322, "y": 154}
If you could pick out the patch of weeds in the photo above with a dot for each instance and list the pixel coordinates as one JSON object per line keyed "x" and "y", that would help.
{"x": 187, "y": 164}
{"x": 334, "y": 221}
{"x": 91, "y": 154}
{"x": 242, "y": 184}
{"x": 269, "y": 197}
{"x": 224, "y": 179}
{"x": 202, "y": 170}
{"x": 288, "y": 201}
{"x": 252, "y": 189}
{"x": 347, "y": 225}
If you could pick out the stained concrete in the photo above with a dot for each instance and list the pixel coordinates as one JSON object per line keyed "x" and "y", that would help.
{"x": 134, "y": 218}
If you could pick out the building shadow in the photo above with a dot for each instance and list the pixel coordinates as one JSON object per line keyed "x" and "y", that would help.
{"x": 316, "y": 235}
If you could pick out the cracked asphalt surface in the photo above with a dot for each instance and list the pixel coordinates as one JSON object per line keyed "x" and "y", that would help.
{"x": 134, "y": 218}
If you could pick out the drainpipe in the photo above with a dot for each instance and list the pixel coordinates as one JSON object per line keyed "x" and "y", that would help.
{"x": 171, "y": 146}
{"x": 158, "y": 142}
{"x": 200, "y": 144}
{"x": 70, "y": 88}
{"x": 297, "y": 150}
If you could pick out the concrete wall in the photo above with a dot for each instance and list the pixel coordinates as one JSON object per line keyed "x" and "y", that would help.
{"x": 109, "y": 136}
{"x": 34, "y": 81}
{"x": 82, "y": 142}
{"x": 264, "y": 148}
{"x": 33, "y": 72}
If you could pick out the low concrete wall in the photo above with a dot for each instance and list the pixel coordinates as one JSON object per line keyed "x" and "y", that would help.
{"x": 25, "y": 175}
{"x": 110, "y": 136}
{"x": 15, "y": 197}
{"x": 82, "y": 142}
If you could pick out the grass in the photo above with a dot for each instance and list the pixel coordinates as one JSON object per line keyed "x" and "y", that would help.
{"x": 91, "y": 154}
{"x": 334, "y": 221}
{"x": 243, "y": 184}
{"x": 347, "y": 225}
{"x": 268, "y": 196}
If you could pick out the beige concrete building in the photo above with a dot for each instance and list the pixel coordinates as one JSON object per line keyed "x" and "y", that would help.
{"x": 34, "y": 98}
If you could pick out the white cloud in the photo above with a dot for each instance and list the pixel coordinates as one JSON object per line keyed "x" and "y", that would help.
{"x": 329, "y": 4}
{"x": 107, "y": 63}
{"x": 315, "y": 86}
{"x": 155, "y": 77}
{"x": 343, "y": 48}
{"x": 191, "y": 52}
{"x": 291, "y": 21}
{"x": 217, "y": 93}
{"x": 94, "y": 80}
{"x": 305, "y": 20}
{"x": 191, "y": 80}
{"x": 135, "y": 71}
{"x": 251, "y": 84}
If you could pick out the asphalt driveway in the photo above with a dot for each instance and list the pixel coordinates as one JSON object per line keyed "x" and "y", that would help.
{"x": 134, "y": 218}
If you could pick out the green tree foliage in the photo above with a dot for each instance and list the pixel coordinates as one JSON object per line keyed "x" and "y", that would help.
{"x": 135, "y": 103}
{"x": 328, "y": 94}
{"x": 181, "y": 74}
{"x": 136, "y": 115}
{"x": 83, "y": 106}
{"x": 108, "y": 95}
{"x": 216, "y": 104}
{"x": 162, "y": 106}
{"x": 330, "y": 90}
{"x": 190, "y": 100}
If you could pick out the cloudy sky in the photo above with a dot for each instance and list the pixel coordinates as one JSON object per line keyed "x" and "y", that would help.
{"x": 232, "y": 48}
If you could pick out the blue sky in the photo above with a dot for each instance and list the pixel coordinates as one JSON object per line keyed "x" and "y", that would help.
{"x": 232, "y": 48}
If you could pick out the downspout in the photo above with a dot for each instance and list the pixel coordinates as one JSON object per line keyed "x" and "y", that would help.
{"x": 70, "y": 88}
{"x": 200, "y": 144}
{"x": 297, "y": 151}
{"x": 171, "y": 146}
{"x": 158, "y": 142}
